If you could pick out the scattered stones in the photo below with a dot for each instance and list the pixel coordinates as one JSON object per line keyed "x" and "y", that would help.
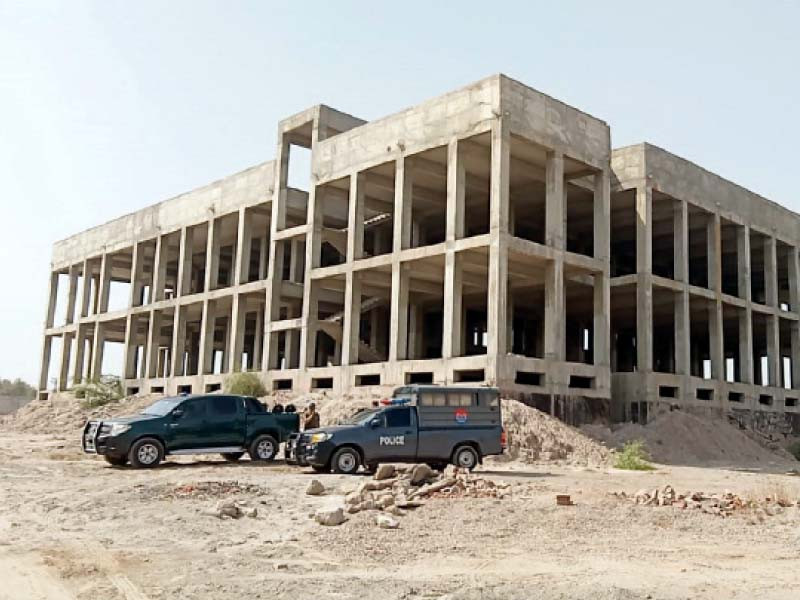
{"x": 315, "y": 488}
{"x": 386, "y": 522}
{"x": 201, "y": 490}
{"x": 422, "y": 473}
{"x": 231, "y": 508}
{"x": 330, "y": 518}
{"x": 384, "y": 472}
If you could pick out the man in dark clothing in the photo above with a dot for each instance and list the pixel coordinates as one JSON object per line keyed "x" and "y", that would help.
{"x": 310, "y": 417}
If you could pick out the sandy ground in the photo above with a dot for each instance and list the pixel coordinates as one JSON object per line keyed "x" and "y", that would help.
{"x": 71, "y": 527}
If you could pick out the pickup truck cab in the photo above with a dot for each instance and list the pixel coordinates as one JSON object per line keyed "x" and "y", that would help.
{"x": 225, "y": 424}
{"x": 432, "y": 424}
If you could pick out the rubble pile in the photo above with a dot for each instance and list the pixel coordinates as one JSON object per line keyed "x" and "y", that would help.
{"x": 723, "y": 505}
{"x": 231, "y": 508}
{"x": 202, "y": 490}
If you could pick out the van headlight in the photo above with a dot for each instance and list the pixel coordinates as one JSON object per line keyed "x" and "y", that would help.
{"x": 118, "y": 429}
{"x": 316, "y": 438}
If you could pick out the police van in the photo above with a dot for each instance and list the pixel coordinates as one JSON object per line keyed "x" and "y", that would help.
{"x": 419, "y": 423}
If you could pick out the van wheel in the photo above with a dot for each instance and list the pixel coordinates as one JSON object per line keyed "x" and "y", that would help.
{"x": 466, "y": 457}
{"x": 263, "y": 448}
{"x": 117, "y": 461}
{"x": 232, "y": 456}
{"x": 146, "y": 453}
{"x": 346, "y": 461}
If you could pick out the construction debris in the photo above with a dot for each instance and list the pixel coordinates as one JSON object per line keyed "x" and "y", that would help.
{"x": 330, "y": 517}
{"x": 202, "y": 490}
{"x": 315, "y": 488}
{"x": 233, "y": 509}
{"x": 724, "y": 504}
{"x": 564, "y": 500}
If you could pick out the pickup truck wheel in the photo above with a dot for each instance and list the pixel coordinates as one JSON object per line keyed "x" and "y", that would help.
{"x": 117, "y": 461}
{"x": 146, "y": 453}
{"x": 232, "y": 456}
{"x": 346, "y": 461}
{"x": 263, "y": 448}
{"x": 466, "y": 457}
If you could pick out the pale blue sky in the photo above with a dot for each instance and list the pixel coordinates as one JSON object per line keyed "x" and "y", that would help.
{"x": 108, "y": 106}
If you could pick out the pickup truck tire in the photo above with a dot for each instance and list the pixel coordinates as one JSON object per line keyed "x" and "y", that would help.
{"x": 466, "y": 457}
{"x": 264, "y": 448}
{"x": 146, "y": 453}
{"x": 117, "y": 461}
{"x": 232, "y": 456}
{"x": 346, "y": 461}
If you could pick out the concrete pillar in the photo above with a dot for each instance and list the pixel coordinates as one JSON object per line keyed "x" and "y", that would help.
{"x": 555, "y": 204}
{"x": 178, "y": 341}
{"x": 244, "y": 244}
{"x": 159, "y": 268}
{"x": 682, "y": 334}
{"x": 72, "y": 293}
{"x": 456, "y": 190}
{"x": 681, "y": 241}
{"x": 212, "y": 255}
{"x": 746, "y": 344}
{"x": 207, "y": 323}
{"x": 258, "y": 338}
{"x": 352, "y": 319}
{"x": 86, "y": 288}
{"x": 554, "y": 311}
{"x": 153, "y": 342}
{"x": 770, "y": 271}
{"x": 185, "y": 252}
{"x": 105, "y": 283}
{"x": 644, "y": 285}
{"x": 310, "y": 309}
{"x": 743, "y": 262}
{"x": 47, "y": 346}
{"x": 129, "y": 352}
{"x": 63, "y": 371}
{"x": 296, "y": 261}
{"x": 263, "y": 256}
{"x": 773, "y": 350}
{"x": 716, "y": 340}
{"x": 601, "y": 324}
{"x": 403, "y": 193}
{"x": 398, "y": 326}
{"x": 355, "y": 218}
{"x": 499, "y": 201}
{"x": 452, "y": 326}
{"x": 225, "y": 363}
{"x": 602, "y": 217}
{"x": 80, "y": 348}
{"x": 52, "y": 297}
{"x": 98, "y": 345}
{"x": 238, "y": 322}
{"x": 137, "y": 260}
{"x": 714, "y": 253}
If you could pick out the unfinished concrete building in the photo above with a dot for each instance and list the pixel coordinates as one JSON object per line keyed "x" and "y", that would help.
{"x": 489, "y": 235}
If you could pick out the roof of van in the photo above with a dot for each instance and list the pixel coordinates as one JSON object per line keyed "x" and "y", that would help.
{"x": 423, "y": 387}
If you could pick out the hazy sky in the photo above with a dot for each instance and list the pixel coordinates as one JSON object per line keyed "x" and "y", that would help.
{"x": 108, "y": 106}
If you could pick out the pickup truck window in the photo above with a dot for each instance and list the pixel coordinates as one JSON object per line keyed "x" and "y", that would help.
{"x": 194, "y": 409}
{"x": 361, "y": 417}
{"x": 398, "y": 417}
{"x": 162, "y": 407}
{"x": 254, "y": 406}
{"x": 224, "y": 406}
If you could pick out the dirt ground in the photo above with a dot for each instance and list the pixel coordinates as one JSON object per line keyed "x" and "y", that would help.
{"x": 72, "y": 527}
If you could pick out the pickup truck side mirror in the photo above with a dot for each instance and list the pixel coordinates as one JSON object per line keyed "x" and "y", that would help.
{"x": 177, "y": 413}
{"x": 374, "y": 423}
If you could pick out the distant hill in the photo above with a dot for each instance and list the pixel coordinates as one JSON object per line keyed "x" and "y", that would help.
{"x": 14, "y": 394}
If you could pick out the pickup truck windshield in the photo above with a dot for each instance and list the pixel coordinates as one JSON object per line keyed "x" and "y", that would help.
{"x": 360, "y": 418}
{"x": 162, "y": 407}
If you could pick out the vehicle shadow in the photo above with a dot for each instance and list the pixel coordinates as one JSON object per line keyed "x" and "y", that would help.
{"x": 516, "y": 474}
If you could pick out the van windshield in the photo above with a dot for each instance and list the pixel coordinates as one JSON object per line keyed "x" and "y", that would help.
{"x": 162, "y": 407}
{"x": 361, "y": 417}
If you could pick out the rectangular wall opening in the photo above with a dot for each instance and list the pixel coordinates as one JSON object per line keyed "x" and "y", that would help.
{"x": 282, "y": 384}
{"x": 700, "y": 244}
{"x": 667, "y": 391}
{"x": 322, "y": 383}
{"x": 528, "y": 378}
{"x": 366, "y": 380}
{"x": 333, "y": 200}
{"x": 663, "y": 338}
{"x": 579, "y": 310}
{"x": 379, "y": 214}
{"x": 527, "y": 190}
{"x": 428, "y": 196}
{"x": 705, "y": 394}
{"x": 623, "y": 329}
{"x": 737, "y": 397}
{"x": 663, "y": 240}
{"x": 469, "y": 375}
{"x": 729, "y": 235}
{"x": 419, "y": 377}
{"x": 757, "y": 272}
{"x": 580, "y": 215}
{"x": 581, "y": 382}
{"x": 623, "y": 233}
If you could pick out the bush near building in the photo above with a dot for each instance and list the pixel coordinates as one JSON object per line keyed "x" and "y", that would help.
{"x": 245, "y": 384}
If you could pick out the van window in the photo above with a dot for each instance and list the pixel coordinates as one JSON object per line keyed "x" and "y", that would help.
{"x": 459, "y": 399}
{"x": 224, "y": 406}
{"x": 433, "y": 399}
{"x": 399, "y": 417}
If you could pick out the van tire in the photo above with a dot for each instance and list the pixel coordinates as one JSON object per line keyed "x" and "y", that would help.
{"x": 346, "y": 461}
{"x": 466, "y": 457}
{"x": 232, "y": 456}
{"x": 146, "y": 453}
{"x": 264, "y": 448}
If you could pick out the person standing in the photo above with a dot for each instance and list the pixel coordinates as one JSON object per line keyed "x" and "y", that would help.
{"x": 310, "y": 417}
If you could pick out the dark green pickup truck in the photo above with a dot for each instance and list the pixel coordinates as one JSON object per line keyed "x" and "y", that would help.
{"x": 224, "y": 424}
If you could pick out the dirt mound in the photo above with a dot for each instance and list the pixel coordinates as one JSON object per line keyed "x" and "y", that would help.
{"x": 333, "y": 408}
{"x": 534, "y": 436}
{"x": 681, "y": 438}
{"x": 62, "y": 413}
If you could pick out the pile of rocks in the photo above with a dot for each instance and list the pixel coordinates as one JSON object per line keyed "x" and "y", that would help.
{"x": 202, "y": 490}
{"x": 231, "y": 508}
{"x": 724, "y": 504}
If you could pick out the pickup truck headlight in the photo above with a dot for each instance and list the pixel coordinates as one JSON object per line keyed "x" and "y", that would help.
{"x": 118, "y": 429}
{"x": 316, "y": 438}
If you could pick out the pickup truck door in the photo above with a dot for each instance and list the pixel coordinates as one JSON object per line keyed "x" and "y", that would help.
{"x": 396, "y": 436}
{"x": 226, "y": 421}
{"x": 187, "y": 426}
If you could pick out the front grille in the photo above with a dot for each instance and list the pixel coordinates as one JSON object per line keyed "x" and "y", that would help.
{"x": 90, "y": 434}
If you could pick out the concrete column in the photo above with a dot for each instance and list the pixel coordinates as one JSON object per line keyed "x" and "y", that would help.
{"x": 773, "y": 350}
{"x": 644, "y": 285}
{"x": 244, "y": 244}
{"x": 258, "y": 338}
{"x": 403, "y": 198}
{"x": 601, "y": 324}
{"x": 86, "y": 288}
{"x": 456, "y": 190}
{"x": 47, "y": 346}
{"x": 206, "y": 363}
{"x": 743, "y": 262}
{"x": 499, "y": 201}
{"x": 129, "y": 353}
{"x": 602, "y": 217}
{"x": 78, "y": 363}
{"x": 105, "y": 283}
{"x": 310, "y": 309}
{"x": 159, "y": 268}
{"x": 794, "y": 280}
{"x": 355, "y": 218}
{"x": 238, "y": 322}
{"x": 746, "y": 344}
{"x": 644, "y": 229}
{"x": 352, "y": 319}
{"x": 555, "y": 205}
{"x": 212, "y": 255}
{"x": 682, "y": 334}
{"x": 136, "y": 275}
{"x": 295, "y": 261}
{"x": 63, "y": 371}
{"x": 499, "y": 192}
{"x": 714, "y": 253}
{"x": 770, "y": 271}
{"x": 52, "y": 297}
{"x": 72, "y": 293}
{"x": 681, "y": 241}
{"x": 178, "y": 341}
{"x": 554, "y": 311}
{"x": 398, "y": 327}
{"x": 452, "y": 326}
{"x": 225, "y": 363}
{"x": 98, "y": 344}
{"x": 153, "y": 342}
{"x": 185, "y": 252}
{"x": 795, "y": 358}
{"x": 716, "y": 341}
{"x": 281, "y": 178}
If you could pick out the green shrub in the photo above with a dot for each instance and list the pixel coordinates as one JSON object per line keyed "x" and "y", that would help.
{"x": 794, "y": 449}
{"x": 245, "y": 384}
{"x": 633, "y": 457}
{"x": 98, "y": 392}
